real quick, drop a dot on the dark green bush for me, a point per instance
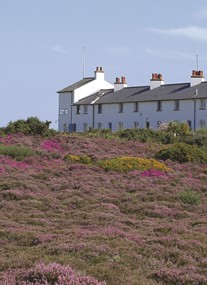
(182, 152)
(31, 126)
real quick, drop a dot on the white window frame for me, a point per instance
(99, 126)
(63, 111)
(202, 124)
(85, 109)
(121, 126)
(136, 124)
(85, 126)
(202, 104)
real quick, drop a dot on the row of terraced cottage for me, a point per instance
(95, 103)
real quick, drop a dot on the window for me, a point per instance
(78, 109)
(159, 106)
(202, 104)
(121, 125)
(136, 106)
(202, 123)
(99, 108)
(100, 126)
(63, 111)
(85, 127)
(176, 105)
(121, 108)
(110, 125)
(85, 109)
(136, 125)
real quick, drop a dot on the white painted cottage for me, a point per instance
(100, 105)
(75, 92)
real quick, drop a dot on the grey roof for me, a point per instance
(124, 95)
(179, 91)
(76, 85)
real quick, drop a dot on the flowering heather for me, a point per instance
(51, 145)
(153, 172)
(6, 163)
(144, 222)
(49, 274)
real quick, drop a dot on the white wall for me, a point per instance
(90, 88)
(81, 119)
(148, 113)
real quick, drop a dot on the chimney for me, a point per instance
(156, 80)
(196, 77)
(99, 73)
(120, 83)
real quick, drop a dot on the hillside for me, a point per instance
(62, 205)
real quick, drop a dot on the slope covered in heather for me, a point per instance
(59, 205)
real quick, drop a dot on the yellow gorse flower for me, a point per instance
(121, 164)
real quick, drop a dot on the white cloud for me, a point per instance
(58, 49)
(191, 32)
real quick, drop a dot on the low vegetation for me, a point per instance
(182, 152)
(98, 209)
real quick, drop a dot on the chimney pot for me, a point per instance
(117, 80)
(160, 76)
(201, 73)
(123, 79)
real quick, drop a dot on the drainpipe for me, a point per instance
(71, 107)
(93, 118)
(194, 110)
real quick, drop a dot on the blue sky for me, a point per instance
(42, 42)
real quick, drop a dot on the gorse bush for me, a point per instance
(17, 152)
(79, 158)
(120, 164)
(127, 163)
(182, 153)
(31, 126)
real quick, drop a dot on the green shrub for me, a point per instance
(146, 135)
(17, 152)
(31, 126)
(189, 197)
(181, 153)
